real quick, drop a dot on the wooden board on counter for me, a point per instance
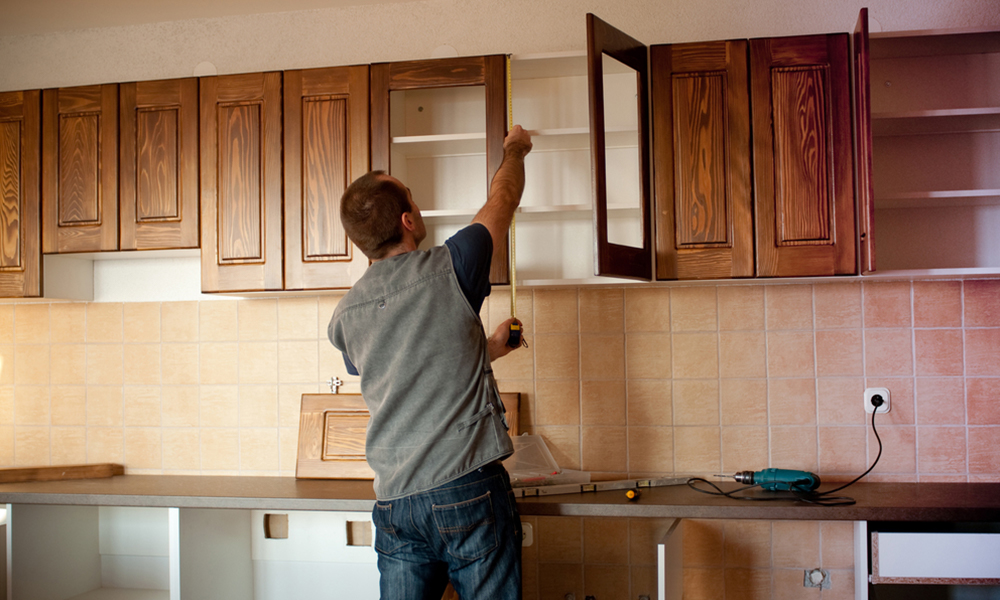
(57, 473)
(332, 430)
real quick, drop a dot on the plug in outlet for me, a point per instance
(871, 393)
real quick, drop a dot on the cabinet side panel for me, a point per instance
(214, 553)
(54, 551)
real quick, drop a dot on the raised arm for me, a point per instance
(506, 187)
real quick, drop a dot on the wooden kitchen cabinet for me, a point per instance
(20, 195)
(241, 182)
(158, 185)
(933, 201)
(792, 212)
(438, 126)
(326, 148)
(80, 169)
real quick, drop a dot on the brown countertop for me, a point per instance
(874, 501)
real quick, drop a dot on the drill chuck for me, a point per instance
(780, 480)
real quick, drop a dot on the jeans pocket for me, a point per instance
(386, 540)
(468, 527)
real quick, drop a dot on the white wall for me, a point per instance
(410, 30)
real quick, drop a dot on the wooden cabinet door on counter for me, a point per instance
(803, 156)
(158, 189)
(20, 200)
(701, 133)
(241, 137)
(326, 148)
(80, 169)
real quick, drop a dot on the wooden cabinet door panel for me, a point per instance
(617, 260)
(80, 169)
(800, 94)
(863, 143)
(241, 137)
(20, 195)
(326, 148)
(487, 71)
(701, 132)
(158, 189)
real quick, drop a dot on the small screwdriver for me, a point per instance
(778, 480)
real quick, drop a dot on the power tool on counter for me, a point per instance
(779, 480)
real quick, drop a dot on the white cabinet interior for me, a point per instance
(438, 149)
(935, 102)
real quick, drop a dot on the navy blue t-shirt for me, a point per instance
(471, 254)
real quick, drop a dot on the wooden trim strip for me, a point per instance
(57, 473)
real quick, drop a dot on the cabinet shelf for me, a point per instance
(978, 197)
(575, 211)
(123, 594)
(938, 121)
(543, 140)
(447, 144)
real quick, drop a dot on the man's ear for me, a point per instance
(408, 223)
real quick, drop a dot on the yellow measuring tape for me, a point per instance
(516, 334)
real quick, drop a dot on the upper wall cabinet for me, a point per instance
(158, 189)
(241, 170)
(20, 201)
(80, 169)
(934, 187)
(326, 148)
(120, 167)
(778, 202)
(438, 126)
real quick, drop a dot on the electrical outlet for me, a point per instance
(871, 393)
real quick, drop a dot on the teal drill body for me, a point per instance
(780, 480)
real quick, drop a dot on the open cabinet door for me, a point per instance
(863, 143)
(619, 146)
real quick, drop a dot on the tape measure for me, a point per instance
(514, 339)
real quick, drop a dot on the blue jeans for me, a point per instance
(467, 531)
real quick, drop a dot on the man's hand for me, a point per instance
(517, 141)
(497, 342)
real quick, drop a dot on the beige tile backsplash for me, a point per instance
(623, 382)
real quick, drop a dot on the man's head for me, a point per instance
(378, 214)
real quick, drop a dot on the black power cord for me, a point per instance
(802, 495)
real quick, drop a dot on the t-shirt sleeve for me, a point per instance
(471, 254)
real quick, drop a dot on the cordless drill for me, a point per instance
(779, 480)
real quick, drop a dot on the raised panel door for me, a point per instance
(326, 148)
(80, 169)
(241, 182)
(158, 189)
(802, 152)
(701, 132)
(20, 201)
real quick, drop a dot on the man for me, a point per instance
(410, 328)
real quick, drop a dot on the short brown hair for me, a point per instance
(370, 209)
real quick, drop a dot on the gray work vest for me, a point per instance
(420, 350)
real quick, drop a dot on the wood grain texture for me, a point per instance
(863, 170)
(241, 182)
(613, 259)
(158, 184)
(326, 148)
(487, 71)
(803, 156)
(701, 133)
(332, 430)
(20, 201)
(80, 169)
(59, 473)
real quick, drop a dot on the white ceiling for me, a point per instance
(28, 17)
